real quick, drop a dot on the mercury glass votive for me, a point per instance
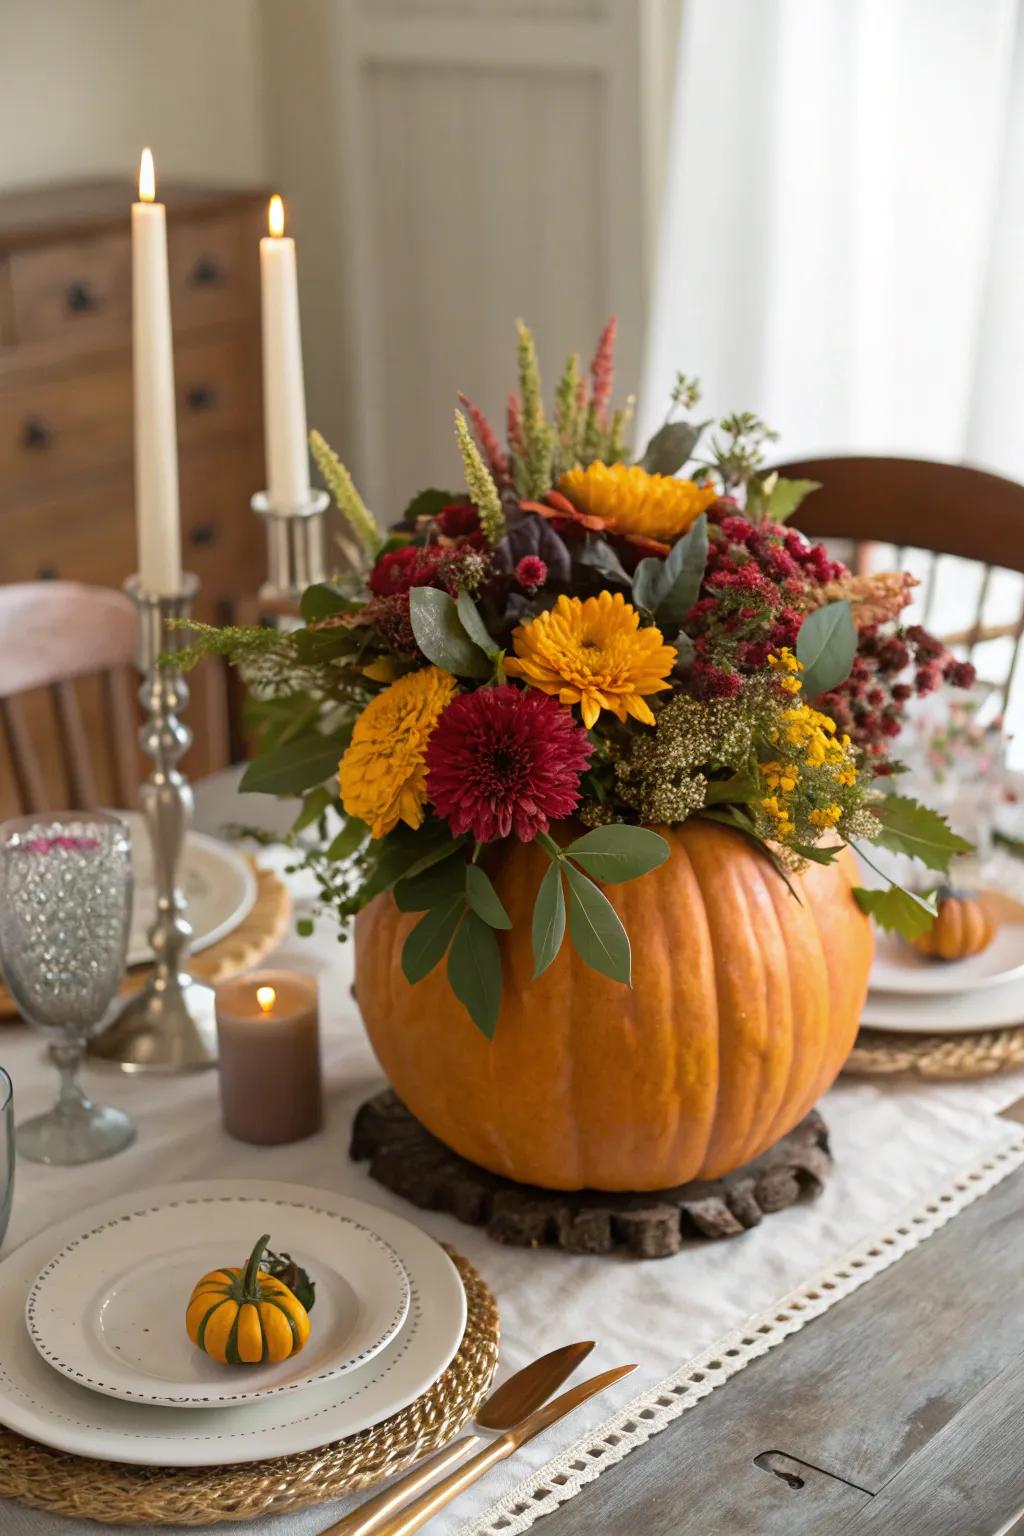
(65, 907)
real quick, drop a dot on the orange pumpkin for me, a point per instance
(963, 927)
(744, 1006)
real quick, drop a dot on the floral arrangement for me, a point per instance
(574, 650)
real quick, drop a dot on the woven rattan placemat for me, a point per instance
(245, 946)
(115, 1494)
(878, 1053)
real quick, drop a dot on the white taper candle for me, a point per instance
(156, 447)
(284, 395)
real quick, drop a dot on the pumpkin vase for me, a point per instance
(744, 1005)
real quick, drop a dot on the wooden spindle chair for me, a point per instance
(937, 509)
(68, 714)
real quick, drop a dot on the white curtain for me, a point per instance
(843, 238)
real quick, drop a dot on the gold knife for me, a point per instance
(434, 1500)
(502, 1409)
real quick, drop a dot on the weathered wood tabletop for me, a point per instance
(900, 1412)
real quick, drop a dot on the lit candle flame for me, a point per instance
(266, 997)
(147, 177)
(275, 217)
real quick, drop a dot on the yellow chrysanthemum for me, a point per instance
(633, 502)
(383, 775)
(594, 654)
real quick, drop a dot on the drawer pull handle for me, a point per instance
(200, 397)
(36, 434)
(47, 573)
(206, 273)
(202, 535)
(81, 299)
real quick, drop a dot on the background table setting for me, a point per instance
(241, 1281)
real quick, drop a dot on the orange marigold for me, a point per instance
(383, 774)
(630, 501)
(593, 654)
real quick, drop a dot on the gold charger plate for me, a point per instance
(112, 1493)
(245, 946)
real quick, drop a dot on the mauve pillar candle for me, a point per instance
(268, 1026)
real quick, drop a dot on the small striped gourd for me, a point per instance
(246, 1317)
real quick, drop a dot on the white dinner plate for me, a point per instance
(898, 967)
(108, 1309)
(960, 1013)
(48, 1407)
(218, 882)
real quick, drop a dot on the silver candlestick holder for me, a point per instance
(169, 1026)
(295, 547)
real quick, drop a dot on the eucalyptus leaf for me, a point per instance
(548, 919)
(599, 555)
(440, 634)
(684, 571)
(474, 972)
(484, 899)
(301, 764)
(826, 645)
(616, 852)
(914, 829)
(897, 910)
(473, 624)
(596, 931)
(428, 941)
(671, 447)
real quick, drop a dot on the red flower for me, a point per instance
(457, 518)
(504, 760)
(531, 572)
(400, 569)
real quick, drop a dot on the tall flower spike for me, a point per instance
(482, 489)
(617, 452)
(516, 440)
(347, 499)
(566, 412)
(540, 437)
(602, 371)
(497, 458)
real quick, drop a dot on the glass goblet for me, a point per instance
(65, 906)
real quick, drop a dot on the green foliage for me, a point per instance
(480, 483)
(548, 918)
(910, 828)
(671, 447)
(473, 624)
(346, 498)
(297, 766)
(897, 910)
(314, 805)
(534, 476)
(484, 899)
(474, 971)
(323, 601)
(428, 942)
(429, 504)
(668, 588)
(771, 497)
(617, 852)
(741, 454)
(826, 646)
(441, 636)
(430, 886)
(595, 928)
(349, 840)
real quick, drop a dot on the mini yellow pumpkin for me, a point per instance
(963, 927)
(246, 1317)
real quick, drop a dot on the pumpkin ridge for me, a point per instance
(779, 1120)
(773, 983)
(201, 1330)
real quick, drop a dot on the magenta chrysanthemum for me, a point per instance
(504, 760)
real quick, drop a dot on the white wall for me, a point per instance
(85, 83)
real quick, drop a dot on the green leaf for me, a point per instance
(430, 503)
(685, 651)
(667, 588)
(322, 601)
(914, 829)
(816, 854)
(671, 446)
(599, 555)
(826, 644)
(432, 887)
(739, 789)
(897, 910)
(616, 853)
(649, 586)
(548, 919)
(440, 635)
(484, 899)
(351, 837)
(404, 852)
(770, 496)
(428, 941)
(305, 927)
(474, 972)
(299, 765)
(434, 851)
(597, 934)
(473, 624)
(314, 804)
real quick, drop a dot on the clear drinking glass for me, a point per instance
(6, 1151)
(65, 905)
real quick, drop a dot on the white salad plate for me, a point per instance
(958, 1014)
(899, 968)
(40, 1402)
(107, 1310)
(218, 882)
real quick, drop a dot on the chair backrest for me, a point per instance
(923, 511)
(68, 718)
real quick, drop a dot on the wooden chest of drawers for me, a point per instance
(66, 474)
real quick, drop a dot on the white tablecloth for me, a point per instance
(896, 1147)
